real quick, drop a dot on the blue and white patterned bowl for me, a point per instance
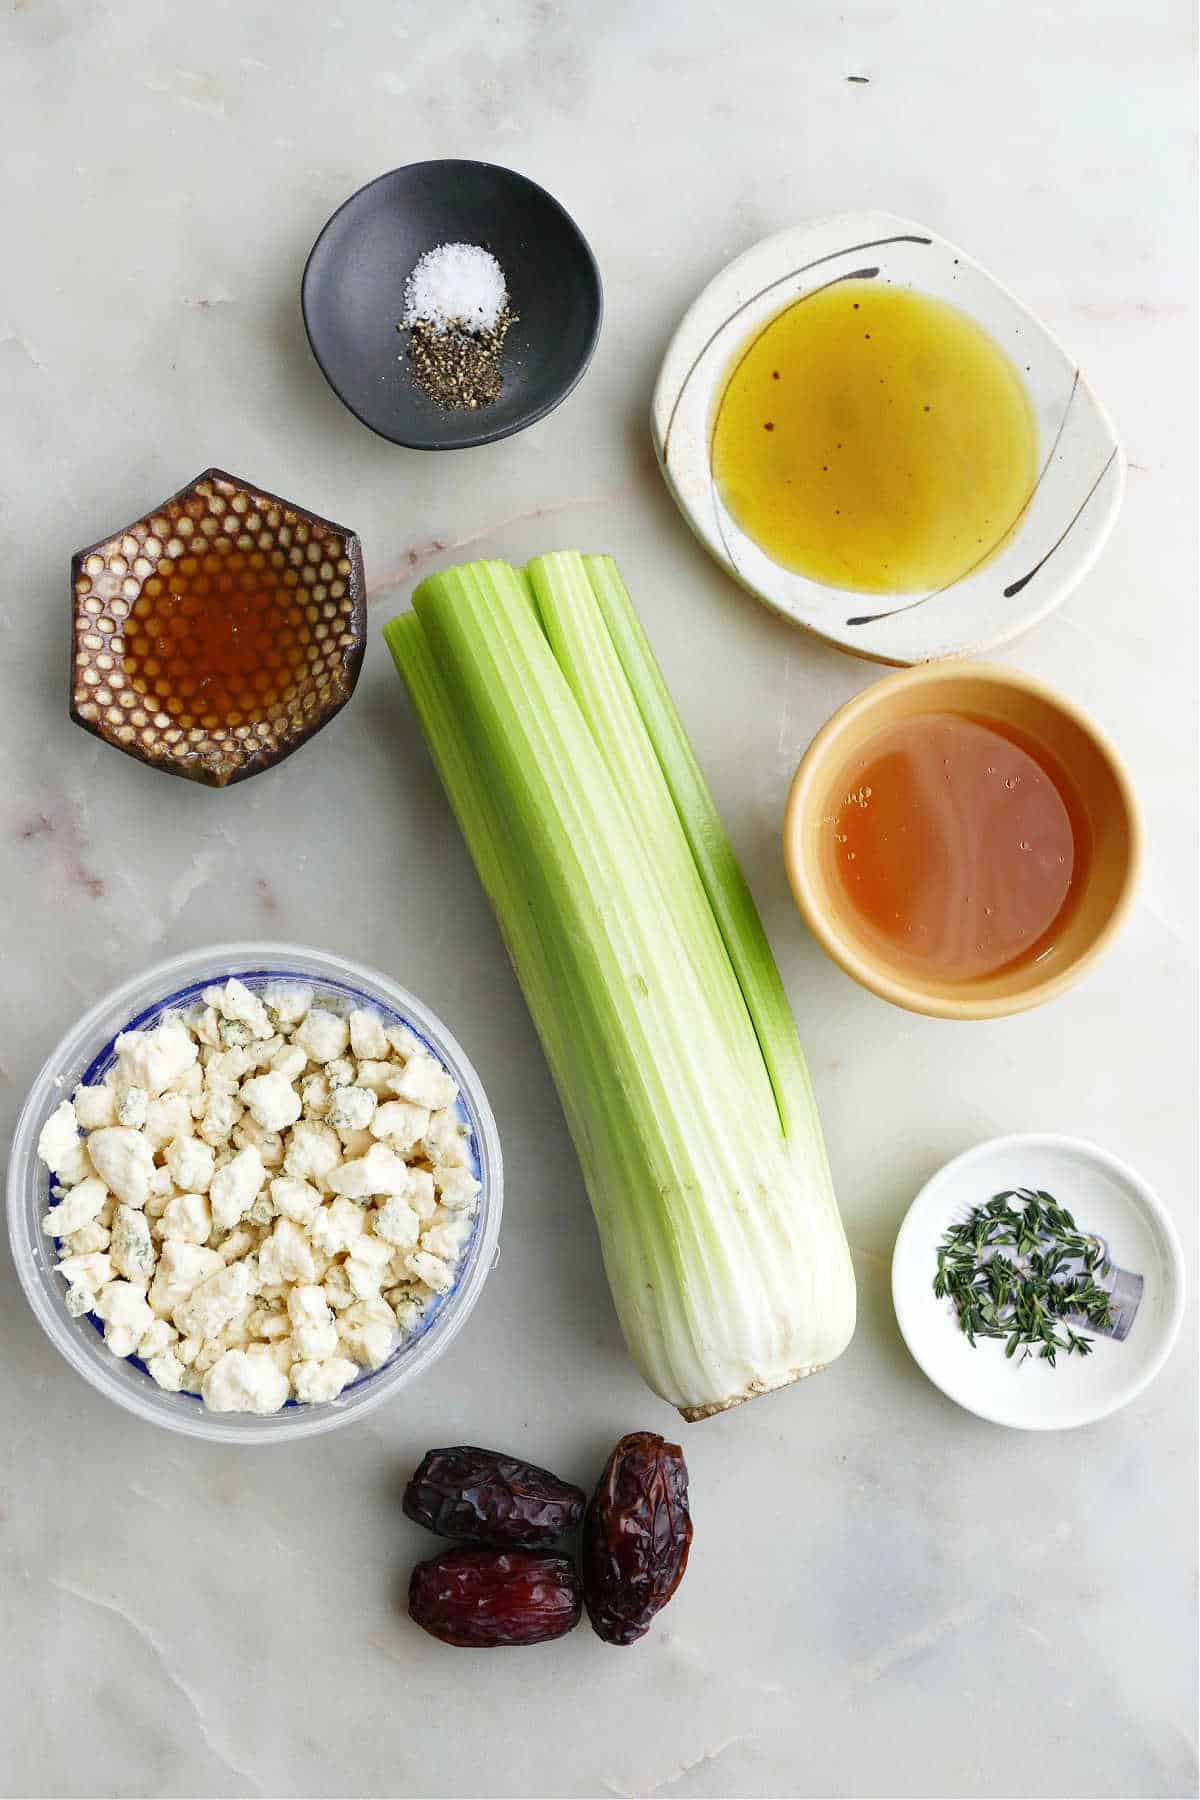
(87, 1052)
(1066, 517)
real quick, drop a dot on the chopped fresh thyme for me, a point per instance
(1019, 1269)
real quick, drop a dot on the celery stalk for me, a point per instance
(584, 650)
(645, 969)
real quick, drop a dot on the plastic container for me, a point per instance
(86, 1052)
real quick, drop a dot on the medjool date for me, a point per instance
(485, 1497)
(487, 1599)
(636, 1537)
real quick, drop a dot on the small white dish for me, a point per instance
(1106, 1199)
(1066, 519)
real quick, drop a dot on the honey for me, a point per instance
(873, 438)
(220, 637)
(956, 848)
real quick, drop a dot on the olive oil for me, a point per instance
(873, 438)
(956, 847)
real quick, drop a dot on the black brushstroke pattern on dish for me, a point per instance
(909, 605)
(903, 237)
(834, 281)
(1016, 586)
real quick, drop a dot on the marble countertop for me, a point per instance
(887, 1596)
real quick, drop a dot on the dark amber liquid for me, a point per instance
(218, 638)
(956, 846)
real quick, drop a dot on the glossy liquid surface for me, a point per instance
(218, 638)
(954, 848)
(873, 438)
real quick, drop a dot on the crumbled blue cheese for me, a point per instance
(400, 1124)
(380, 1171)
(322, 1035)
(396, 1223)
(190, 1163)
(288, 1001)
(187, 1216)
(239, 1382)
(239, 1201)
(294, 1199)
(90, 1270)
(290, 1062)
(285, 1256)
(92, 1236)
(132, 1252)
(234, 1187)
(131, 1108)
(425, 1083)
(58, 1144)
(430, 1269)
(236, 1002)
(335, 1227)
(124, 1162)
(154, 1059)
(94, 1106)
(167, 1370)
(369, 1259)
(314, 1381)
(81, 1205)
(351, 1108)
(167, 1118)
(125, 1307)
(368, 1039)
(272, 1100)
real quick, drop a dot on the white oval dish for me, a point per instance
(1066, 519)
(1107, 1198)
(86, 1052)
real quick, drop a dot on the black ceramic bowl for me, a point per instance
(353, 297)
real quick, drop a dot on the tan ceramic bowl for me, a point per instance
(1039, 714)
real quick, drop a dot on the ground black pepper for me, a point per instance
(459, 369)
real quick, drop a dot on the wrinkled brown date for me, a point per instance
(636, 1537)
(488, 1498)
(486, 1599)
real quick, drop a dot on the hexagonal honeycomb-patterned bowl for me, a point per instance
(219, 633)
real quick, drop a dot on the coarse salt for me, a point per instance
(456, 285)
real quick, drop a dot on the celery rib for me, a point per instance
(727, 889)
(584, 650)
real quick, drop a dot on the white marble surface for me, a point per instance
(887, 1597)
